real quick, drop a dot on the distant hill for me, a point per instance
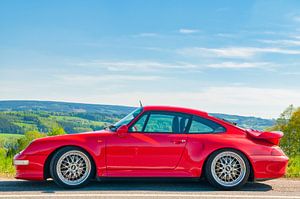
(18, 116)
(51, 106)
(247, 121)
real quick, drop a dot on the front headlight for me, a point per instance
(21, 162)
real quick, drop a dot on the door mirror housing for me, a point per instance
(122, 130)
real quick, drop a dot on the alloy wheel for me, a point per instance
(73, 167)
(228, 169)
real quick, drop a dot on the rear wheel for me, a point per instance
(227, 169)
(71, 167)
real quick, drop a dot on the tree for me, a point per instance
(289, 124)
(286, 115)
(56, 131)
(291, 140)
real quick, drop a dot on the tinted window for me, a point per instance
(138, 126)
(161, 122)
(202, 125)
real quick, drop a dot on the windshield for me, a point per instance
(127, 119)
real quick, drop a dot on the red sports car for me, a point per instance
(157, 141)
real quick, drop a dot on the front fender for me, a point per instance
(92, 143)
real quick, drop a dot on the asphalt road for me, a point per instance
(163, 188)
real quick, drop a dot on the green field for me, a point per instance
(9, 135)
(7, 139)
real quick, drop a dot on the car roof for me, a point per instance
(175, 109)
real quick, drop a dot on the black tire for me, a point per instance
(216, 181)
(58, 178)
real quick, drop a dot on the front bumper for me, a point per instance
(29, 167)
(268, 167)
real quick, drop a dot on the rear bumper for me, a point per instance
(29, 167)
(269, 167)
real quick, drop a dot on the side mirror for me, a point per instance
(122, 130)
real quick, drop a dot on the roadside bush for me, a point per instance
(29, 136)
(294, 167)
(6, 167)
(56, 131)
(289, 124)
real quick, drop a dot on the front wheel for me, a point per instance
(71, 167)
(227, 169)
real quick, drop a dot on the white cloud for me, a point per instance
(225, 35)
(296, 18)
(296, 36)
(292, 73)
(242, 65)
(146, 34)
(282, 42)
(92, 79)
(188, 31)
(147, 66)
(234, 52)
(137, 65)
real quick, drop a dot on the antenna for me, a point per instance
(141, 105)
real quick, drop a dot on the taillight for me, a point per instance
(277, 151)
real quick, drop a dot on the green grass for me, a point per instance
(6, 167)
(293, 170)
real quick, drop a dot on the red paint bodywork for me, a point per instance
(156, 155)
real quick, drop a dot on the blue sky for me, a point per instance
(237, 57)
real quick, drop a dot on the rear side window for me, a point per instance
(202, 125)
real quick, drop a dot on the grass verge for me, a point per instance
(293, 170)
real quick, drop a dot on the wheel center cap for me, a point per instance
(73, 167)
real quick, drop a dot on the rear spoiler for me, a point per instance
(269, 136)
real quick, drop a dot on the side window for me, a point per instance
(138, 126)
(161, 122)
(202, 125)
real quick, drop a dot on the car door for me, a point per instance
(155, 141)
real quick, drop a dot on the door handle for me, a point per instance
(179, 141)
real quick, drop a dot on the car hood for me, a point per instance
(70, 136)
(42, 145)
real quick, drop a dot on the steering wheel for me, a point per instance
(135, 129)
